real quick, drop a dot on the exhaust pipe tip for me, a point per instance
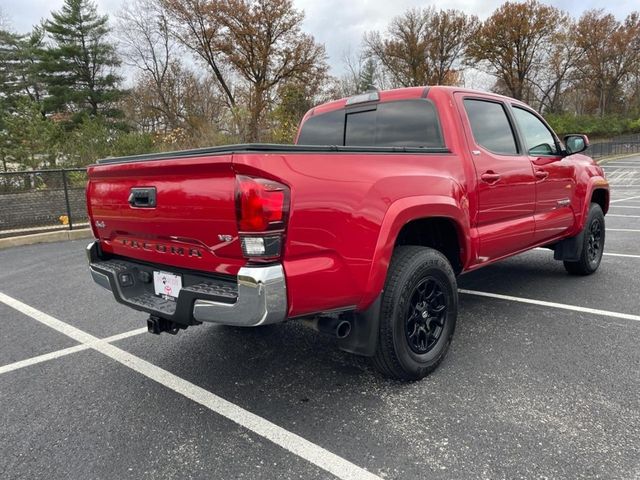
(329, 325)
(343, 329)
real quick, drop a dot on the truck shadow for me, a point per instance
(285, 358)
(528, 274)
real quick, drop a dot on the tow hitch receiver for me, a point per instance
(157, 325)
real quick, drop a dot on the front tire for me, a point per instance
(592, 244)
(418, 314)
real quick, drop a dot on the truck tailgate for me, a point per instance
(191, 223)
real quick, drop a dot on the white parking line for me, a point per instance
(628, 255)
(622, 230)
(43, 358)
(67, 351)
(542, 249)
(295, 444)
(624, 199)
(626, 206)
(620, 215)
(561, 306)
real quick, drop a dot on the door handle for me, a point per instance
(541, 174)
(490, 177)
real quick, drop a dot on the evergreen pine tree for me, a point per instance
(81, 62)
(367, 76)
(9, 67)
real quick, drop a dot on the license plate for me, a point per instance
(167, 285)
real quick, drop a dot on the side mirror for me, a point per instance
(576, 143)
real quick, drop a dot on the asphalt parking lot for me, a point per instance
(542, 380)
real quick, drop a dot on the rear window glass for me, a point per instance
(361, 128)
(412, 123)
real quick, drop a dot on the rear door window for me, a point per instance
(491, 127)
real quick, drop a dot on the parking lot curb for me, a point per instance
(46, 237)
(604, 160)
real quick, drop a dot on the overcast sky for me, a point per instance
(339, 24)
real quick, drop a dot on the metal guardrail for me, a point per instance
(606, 149)
(42, 200)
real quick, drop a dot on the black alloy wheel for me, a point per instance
(417, 313)
(426, 315)
(595, 240)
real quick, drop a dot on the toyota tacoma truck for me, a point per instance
(359, 229)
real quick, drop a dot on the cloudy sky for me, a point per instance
(339, 24)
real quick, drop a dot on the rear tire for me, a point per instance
(418, 314)
(592, 244)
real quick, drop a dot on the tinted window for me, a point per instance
(395, 124)
(361, 128)
(491, 127)
(412, 123)
(536, 135)
(325, 129)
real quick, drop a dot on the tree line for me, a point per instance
(170, 74)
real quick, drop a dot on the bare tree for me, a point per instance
(143, 29)
(612, 55)
(265, 44)
(453, 30)
(201, 112)
(560, 70)
(513, 44)
(422, 46)
(196, 24)
(362, 71)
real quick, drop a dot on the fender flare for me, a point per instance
(594, 183)
(397, 216)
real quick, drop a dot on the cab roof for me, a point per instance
(406, 93)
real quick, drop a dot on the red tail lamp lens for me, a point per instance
(262, 204)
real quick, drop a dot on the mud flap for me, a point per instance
(569, 249)
(365, 325)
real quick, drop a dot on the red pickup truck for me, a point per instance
(359, 229)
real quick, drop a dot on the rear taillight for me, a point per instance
(262, 207)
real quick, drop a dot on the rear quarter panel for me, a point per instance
(346, 211)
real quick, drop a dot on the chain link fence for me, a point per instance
(42, 200)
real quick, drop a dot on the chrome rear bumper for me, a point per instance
(257, 297)
(262, 299)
